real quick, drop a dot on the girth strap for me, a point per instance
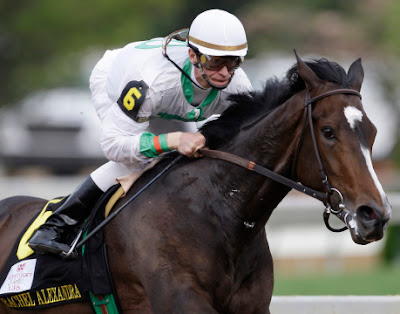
(250, 165)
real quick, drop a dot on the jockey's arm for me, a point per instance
(127, 141)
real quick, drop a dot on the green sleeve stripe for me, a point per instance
(147, 145)
(163, 142)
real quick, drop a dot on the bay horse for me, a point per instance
(195, 240)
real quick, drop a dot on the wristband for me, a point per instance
(160, 143)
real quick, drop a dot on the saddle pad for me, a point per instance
(33, 281)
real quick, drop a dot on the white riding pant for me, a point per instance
(105, 176)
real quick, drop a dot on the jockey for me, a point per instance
(160, 78)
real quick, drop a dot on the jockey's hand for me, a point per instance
(187, 143)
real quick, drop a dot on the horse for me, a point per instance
(194, 241)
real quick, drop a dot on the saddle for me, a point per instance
(35, 281)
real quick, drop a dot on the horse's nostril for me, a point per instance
(366, 213)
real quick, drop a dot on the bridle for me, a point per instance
(341, 211)
(325, 197)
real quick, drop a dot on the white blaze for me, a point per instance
(367, 156)
(352, 115)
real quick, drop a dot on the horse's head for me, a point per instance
(344, 137)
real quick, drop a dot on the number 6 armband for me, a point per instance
(132, 97)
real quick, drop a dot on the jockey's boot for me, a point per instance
(51, 236)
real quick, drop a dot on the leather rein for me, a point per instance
(324, 197)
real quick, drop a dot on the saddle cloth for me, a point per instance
(33, 281)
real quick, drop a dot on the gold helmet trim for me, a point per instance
(217, 47)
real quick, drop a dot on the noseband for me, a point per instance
(341, 211)
(324, 197)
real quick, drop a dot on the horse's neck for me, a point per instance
(271, 143)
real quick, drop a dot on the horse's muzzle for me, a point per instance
(368, 224)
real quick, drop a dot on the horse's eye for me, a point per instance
(328, 132)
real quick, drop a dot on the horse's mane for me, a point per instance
(247, 107)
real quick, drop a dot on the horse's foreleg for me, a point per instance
(255, 293)
(255, 280)
(181, 300)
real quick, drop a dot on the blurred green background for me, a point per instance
(46, 44)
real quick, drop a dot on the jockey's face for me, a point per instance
(220, 76)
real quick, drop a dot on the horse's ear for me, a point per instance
(356, 75)
(309, 77)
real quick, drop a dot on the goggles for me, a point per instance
(216, 63)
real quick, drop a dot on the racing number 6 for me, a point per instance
(129, 99)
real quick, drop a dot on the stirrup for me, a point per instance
(72, 253)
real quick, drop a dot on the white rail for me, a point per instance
(335, 305)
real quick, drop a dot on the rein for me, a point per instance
(252, 166)
(341, 212)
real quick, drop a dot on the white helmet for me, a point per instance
(218, 33)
